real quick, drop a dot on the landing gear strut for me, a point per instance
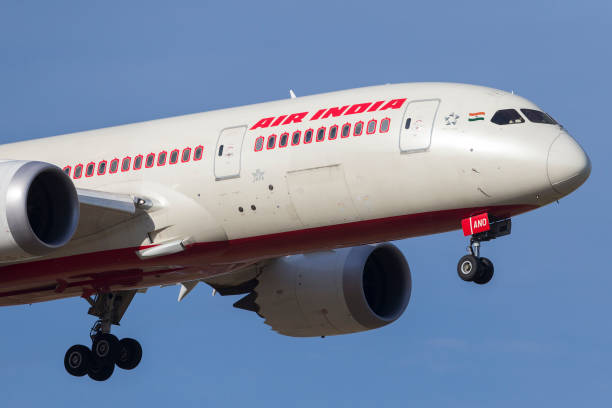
(106, 350)
(473, 267)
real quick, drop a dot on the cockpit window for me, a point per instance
(507, 117)
(536, 116)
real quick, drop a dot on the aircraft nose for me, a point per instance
(568, 165)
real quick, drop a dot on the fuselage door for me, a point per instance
(227, 155)
(417, 126)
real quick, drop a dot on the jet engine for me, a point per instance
(336, 292)
(39, 209)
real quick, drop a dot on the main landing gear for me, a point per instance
(106, 350)
(473, 267)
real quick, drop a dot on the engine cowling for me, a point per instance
(39, 209)
(335, 292)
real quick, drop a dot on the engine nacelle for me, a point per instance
(336, 292)
(39, 209)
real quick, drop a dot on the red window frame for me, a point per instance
(272, 136)
(165, 153)
(280, 138)
(105, 167)
(316, 136)
(147, 161)
(187, 149)
(195, 158)
(312, 135)
(74, 176)
(355, 128)
(329, 132)
(110, 166)
(368, 127)
(93, 170)
(135, 160)
(381, 123)
(178, 157)
(299, 133)
(129, 159)
(348, 133)
(263, 143)
(69, 172)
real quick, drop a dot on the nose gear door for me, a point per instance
(227, 155)
(417, 126)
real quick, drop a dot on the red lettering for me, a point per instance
(263, 123)
(394, 104)
(375, 106)
(335, 112)
(358, 108)
(279, 120)
(318, 114)
(295, 118)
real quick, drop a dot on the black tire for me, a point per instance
(100, 371)
(467, 267)
(77, 360)
(105, 348)
(130, 353)
(486, 271)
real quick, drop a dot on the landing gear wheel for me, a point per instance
(485, 273)
(100, 371)
(105, 349)
(468, 268)
(130, 353)
(77, 360)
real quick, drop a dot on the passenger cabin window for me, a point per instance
(507, 117)
(114, 165)
(259, 143)
(150, 160)
(346, 130)
(371, 127)
(67, 170)
(125, 164)
(384, 125)
(89, 171)
(284, 140)
(333, 132)
(101, 167)
(308, 136)
(537, 116)
(295, 139)
(161, 158)
(138, 162)
(78, 171)
(174, 156)
(271, 141)
(186, 155)
(321, 134)
(198, 153)
(358, 129)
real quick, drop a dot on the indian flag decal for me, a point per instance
(476, 116)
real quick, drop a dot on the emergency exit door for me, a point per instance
(227, 155)
(417, 126)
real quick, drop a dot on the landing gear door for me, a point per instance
(227, 155)
(417, 126)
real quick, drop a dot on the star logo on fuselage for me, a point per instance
(258, 175)
(451, 119)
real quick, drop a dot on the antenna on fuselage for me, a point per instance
(292, 94)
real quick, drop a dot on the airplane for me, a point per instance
(290, 204)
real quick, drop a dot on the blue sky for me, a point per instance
(538, 334)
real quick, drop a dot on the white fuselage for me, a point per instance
(242, 200)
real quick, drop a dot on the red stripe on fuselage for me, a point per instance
(121, 269)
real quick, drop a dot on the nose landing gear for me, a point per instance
(106, 350)
(473, 267)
